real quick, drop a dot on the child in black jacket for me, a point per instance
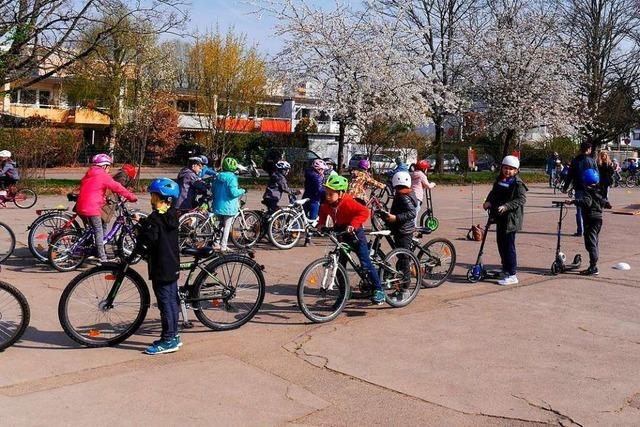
(158, 239)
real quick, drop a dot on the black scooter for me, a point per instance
(478, 272)
(560, 264)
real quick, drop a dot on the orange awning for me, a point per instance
(276, 126)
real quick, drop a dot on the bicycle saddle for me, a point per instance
(203, 252)
(380, 233)
(300, 202)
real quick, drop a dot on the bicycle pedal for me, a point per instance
(187, 325)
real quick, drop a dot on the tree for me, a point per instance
(229, 78)
(44, 35)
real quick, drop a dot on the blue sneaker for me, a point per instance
(378, 297)
(163, 347)
(177, 340)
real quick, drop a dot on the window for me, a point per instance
(44, 97)
(185, 106)
(27, 96)
(636, 136)
(14, 97)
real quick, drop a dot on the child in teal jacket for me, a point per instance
(225, 197)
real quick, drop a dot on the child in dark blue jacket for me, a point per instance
(314, 187)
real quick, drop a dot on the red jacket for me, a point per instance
(348, 212)
(92, 188)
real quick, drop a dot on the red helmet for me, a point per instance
(130, 170)
(423, 165)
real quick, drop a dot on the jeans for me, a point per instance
(226, 221)
(552, 178)
(98, 235)
(361, 248)
(507, 250)
(404, 241)
(592, 229)
(579, 222)
(312, 209)
(167, 296)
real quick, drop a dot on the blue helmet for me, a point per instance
(165, 187)
(590, 177)
(204, 159)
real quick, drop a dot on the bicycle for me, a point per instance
(288, 224)
(324, 289)
(7, 242)
(14, 315)
(23, 198)
(198, 227)
(69, 248)
(107, 304)
(249, 226)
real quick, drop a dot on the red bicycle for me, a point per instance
(24, 198)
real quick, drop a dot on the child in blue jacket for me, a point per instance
(225, 199)
(314, 187)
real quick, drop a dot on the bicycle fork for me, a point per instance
(332, 279)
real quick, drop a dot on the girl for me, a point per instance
(314, 187)
(606, 171)
(225, 197)
(506, 205)
(419, 183)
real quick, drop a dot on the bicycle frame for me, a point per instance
(300, 214)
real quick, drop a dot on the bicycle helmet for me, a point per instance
(102, 160)
(283, 165)
(512, 161)
(5, 153)
(319, 165)
(130, 170)
(423, 165)
(590, 177)
(337, 183)
(364, 164)
(229, 164)
(195, 159)
(165, 188)
(204, 160)
(401, 179)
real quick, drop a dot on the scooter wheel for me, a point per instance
(471, 277)
(577, 260)
(433, 223)
(555, 269)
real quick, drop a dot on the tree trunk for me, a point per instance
(341, 135)
(507, 137)
(437, 144)
(113, 134)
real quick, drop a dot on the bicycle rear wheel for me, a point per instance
(437, 259)
(14, 315)
(66, 252)
(400, 277)
(323, 290)
(7, 241)
(195, 230)
(280, 229)
(25, 198)
(83, 313)
(44, 228)
(246, 229)
(229, 292)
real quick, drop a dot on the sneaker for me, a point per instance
(400, 296)
(163, 347)
(378, 297)
(176, 339)
(591, 271)
(509, 280)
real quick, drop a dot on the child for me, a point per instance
(277, 186)
(8, 173)
(206, 171)
(401, 219)
(591, 202)
(190, 184)
(91, 198)
(349, 215)
(124, 176)
(314, 187)
(361, 181)
(506, 201)
(158, 239)
(419, 183)
(225, 201)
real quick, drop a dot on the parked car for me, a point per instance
(486, 162)
(450, 162)
(380, 163)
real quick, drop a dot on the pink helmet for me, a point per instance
(319, 165)
(364, 164)
(101, 160)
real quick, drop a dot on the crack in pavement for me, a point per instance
(607, 336)
(549, 408)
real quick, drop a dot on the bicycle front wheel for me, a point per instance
(285, 229)
(25, 198)
(400, 277)
(7, 242)
(631, 181)
(86, 317)
(246, 229)
(437, 259)
(194, 231)
(66, 252)
(229, 292)
(14, 315)
(42, 230)
(323, 290)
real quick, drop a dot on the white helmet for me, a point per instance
(512, 161)
(5, 153)
(401, 178)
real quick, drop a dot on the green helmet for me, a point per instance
(230, 164)
(337, 183)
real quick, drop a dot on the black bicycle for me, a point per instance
(7, 241)
(107, 304)
(14, 315)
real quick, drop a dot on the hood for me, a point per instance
(94, 171)
(184, 172)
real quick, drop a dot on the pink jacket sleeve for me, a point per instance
(119, 189)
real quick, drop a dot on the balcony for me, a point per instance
(200, 123)
(60, 115)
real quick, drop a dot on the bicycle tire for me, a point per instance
(221, 266)
(6, 235)
(66, 240)
(427, 265)
(393, 286)
(631, 181)
(331, 307)
(93, 332)
(281, 220)
(125, 245)
(246, 233)
(23, 195)
(37, 238)
(376, 221)
(7, 337)
(194, 230)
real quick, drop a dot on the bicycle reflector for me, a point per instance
(93, 333)
(109, 277)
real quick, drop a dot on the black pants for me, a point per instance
(592, 229)
(404, 241)
(507, 250)
(167, 296)
(271, 204)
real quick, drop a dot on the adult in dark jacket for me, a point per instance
(190, 184)
(579, 164)
(606, 171)
(551, 167)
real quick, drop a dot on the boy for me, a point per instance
(225, 200)
(349, 215)
(190, 184)
(277, 186)
(590, 202)
(158, 239)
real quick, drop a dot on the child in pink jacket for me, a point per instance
(91, 199)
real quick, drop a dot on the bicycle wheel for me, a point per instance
(427, 220)
(66, 252)
(195, 230)
(14, 315)
(25, 198)
(125, 246)
(84, 316)
(376, 221)
(631, 181)
(246, 229)
(400, 277)
(280, 229)
(437, 259)
(43, 229)
(323, 290)
(7, 241)
(229, 292)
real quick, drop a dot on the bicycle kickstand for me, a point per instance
(186, 323)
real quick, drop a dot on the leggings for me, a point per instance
(226, 222)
